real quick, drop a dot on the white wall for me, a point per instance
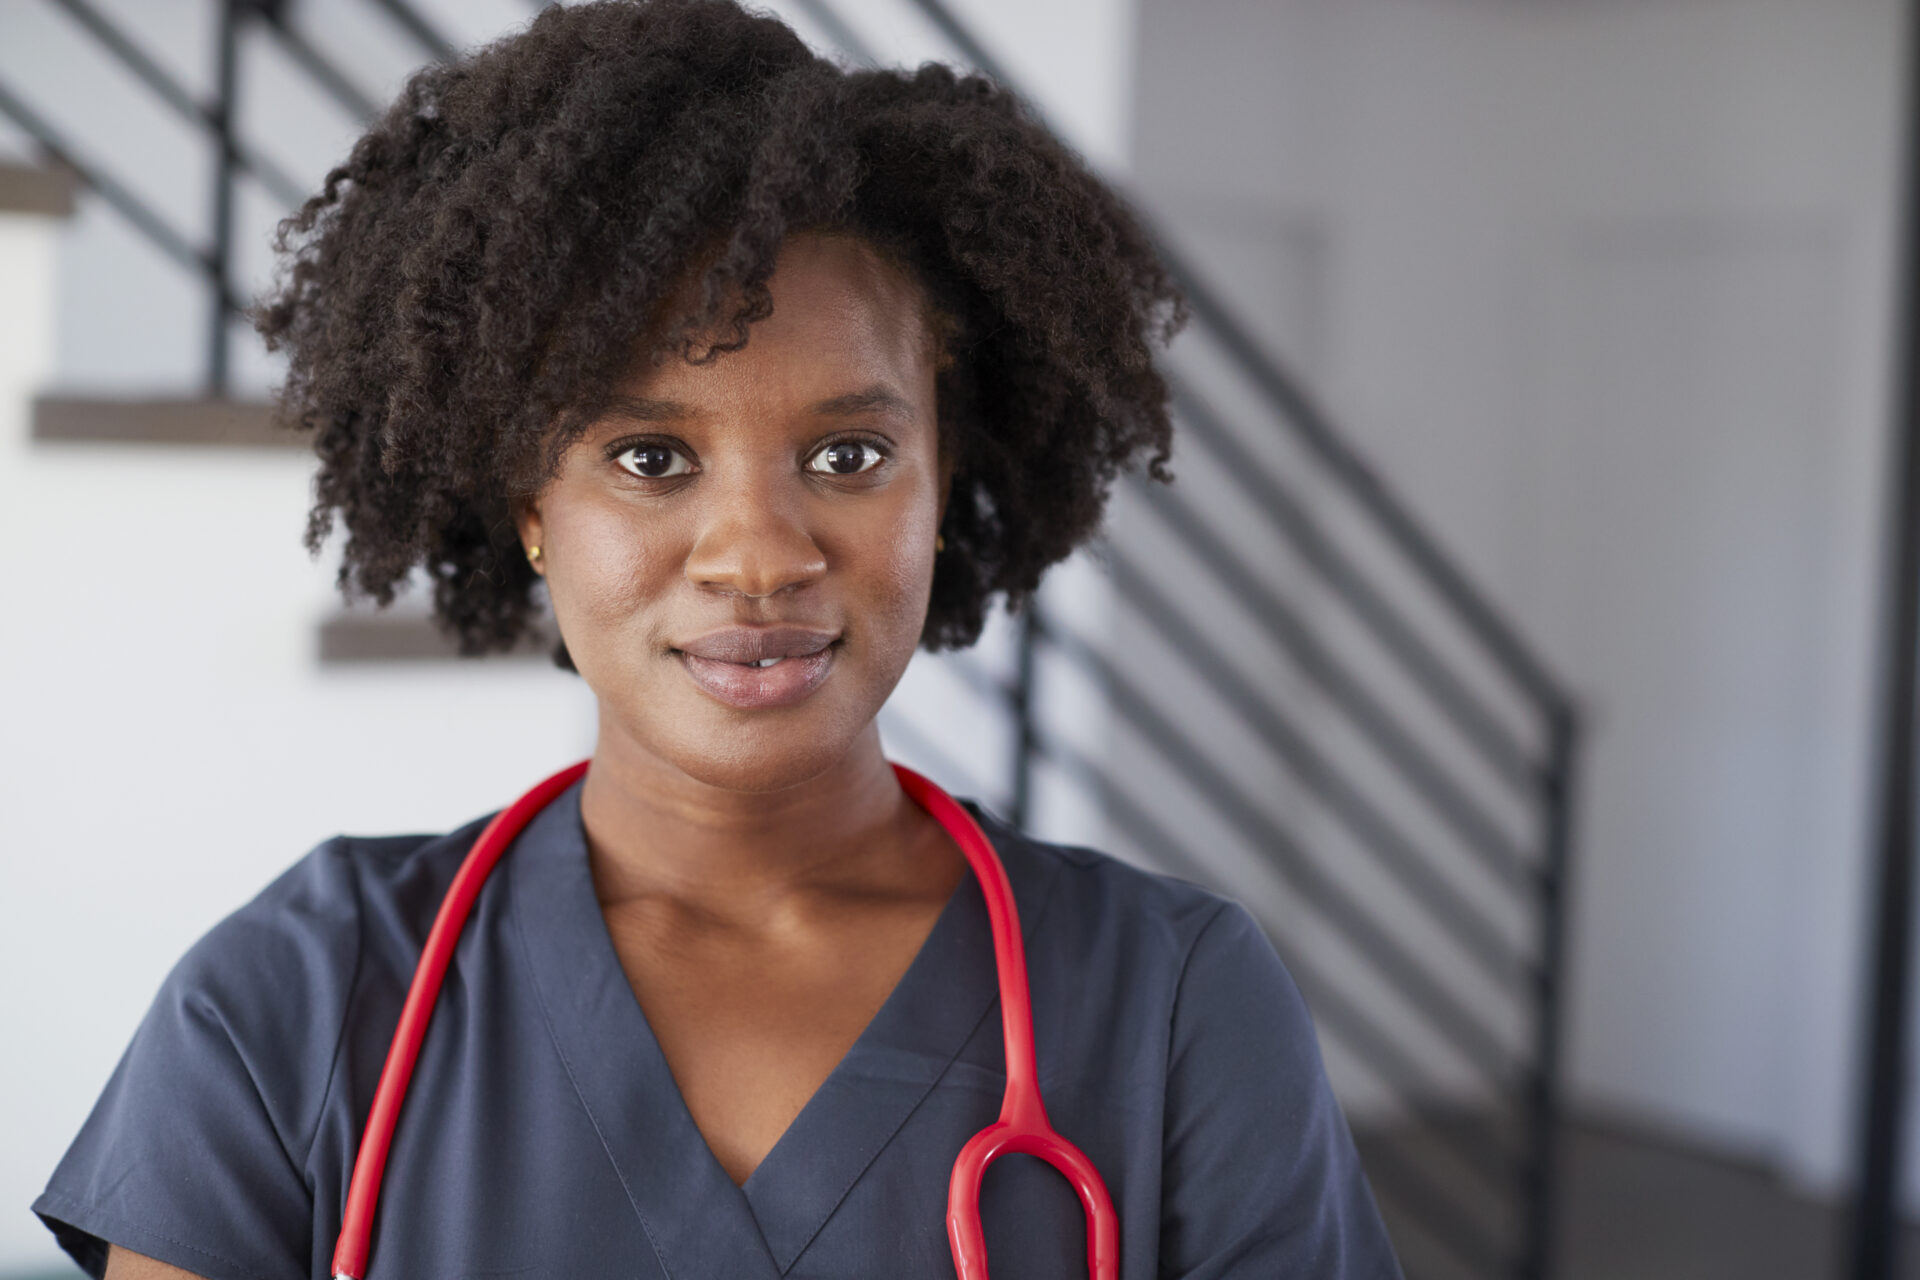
(157, 664)
(1604, 289)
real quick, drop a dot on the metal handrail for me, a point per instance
(1436, 1006)
(1467, 923)
(1480, 834)
(1290, 516)
(1421, 549)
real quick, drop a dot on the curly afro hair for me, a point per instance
(462, 293)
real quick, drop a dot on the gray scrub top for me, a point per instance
(543, 1136)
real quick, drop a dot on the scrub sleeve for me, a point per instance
(1260, 1180)
(194, 1153)
(1175, 1049)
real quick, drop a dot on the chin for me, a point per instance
(761, 758)
(760, 772)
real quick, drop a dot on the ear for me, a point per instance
(526, 519)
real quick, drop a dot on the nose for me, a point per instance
(753, 543)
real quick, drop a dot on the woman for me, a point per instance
(765, 374)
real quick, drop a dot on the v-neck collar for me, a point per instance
(702, 1224)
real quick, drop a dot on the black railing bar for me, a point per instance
(410, 20)
(226, 170)
(169, 241)
(1441, 1010)
(1462, 813)
(1494, 1162)
(829, 20)
(1391, 848)
(1368, 488)
(315, 64)
(157, 78)
(1023, 727)
(1543, 1095)
(1302, 413)
(1272, 496)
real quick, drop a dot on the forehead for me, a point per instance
(842, 314)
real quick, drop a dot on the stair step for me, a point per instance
(367, 636)
(191, 420)
(47, 190)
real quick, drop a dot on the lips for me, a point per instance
(727, 663)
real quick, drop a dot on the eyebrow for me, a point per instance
(877, 397)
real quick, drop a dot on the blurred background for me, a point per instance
(1513, 642)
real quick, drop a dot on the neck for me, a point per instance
(655, 833)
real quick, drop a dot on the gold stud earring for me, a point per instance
(939, 542)
(533, 555)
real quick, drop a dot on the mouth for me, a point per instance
(757, 667)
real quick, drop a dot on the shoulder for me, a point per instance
(1180, 965)
(195, 1152)
(1183, 986)
(326, 898)
(261, 999)
(1141, 929)
(271, 984)
(304, 931)
(1080, 883)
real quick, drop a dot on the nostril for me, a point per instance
(755, 563)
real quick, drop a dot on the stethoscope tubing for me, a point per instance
(1021, 1129)
(350, 1250)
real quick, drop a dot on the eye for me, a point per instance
(655, 461)
(845, 458)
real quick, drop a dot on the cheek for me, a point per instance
(608, 569)
(902, 574)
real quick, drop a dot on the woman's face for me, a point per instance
(779, 502)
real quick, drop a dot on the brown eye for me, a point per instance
(845, 458)
(656, 461)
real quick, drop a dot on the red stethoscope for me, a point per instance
(1021, 1129)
